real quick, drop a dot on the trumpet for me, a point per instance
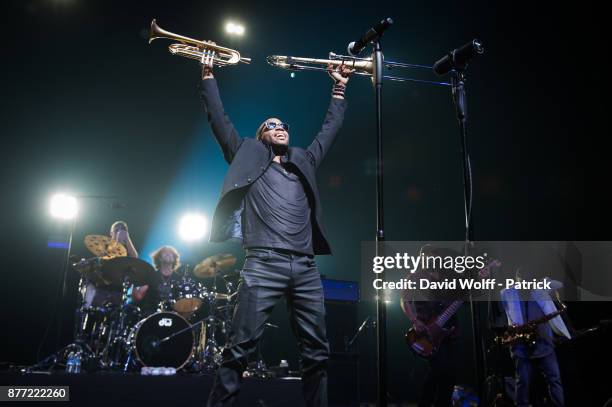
(196, 49)
(362, 66)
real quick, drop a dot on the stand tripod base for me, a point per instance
(89, 361)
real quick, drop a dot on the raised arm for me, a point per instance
(222, 127)
(122, 236)
(334, 117)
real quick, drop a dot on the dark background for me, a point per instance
(90, 108)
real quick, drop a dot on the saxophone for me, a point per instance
(526, 333)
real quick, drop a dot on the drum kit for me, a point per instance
(187, 331)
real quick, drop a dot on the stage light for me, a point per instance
(235, 29)
(63, 206)
(386, 298)
(193, 226)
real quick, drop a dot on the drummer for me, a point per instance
(97, 296)
(166, 260)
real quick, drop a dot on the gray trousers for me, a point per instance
(267, 276)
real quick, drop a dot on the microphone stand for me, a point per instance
(457, 75)
(381, 310)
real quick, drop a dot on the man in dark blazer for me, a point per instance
(270, 202)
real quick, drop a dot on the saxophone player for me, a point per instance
(538, 354)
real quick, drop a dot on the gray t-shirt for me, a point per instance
(277, 212)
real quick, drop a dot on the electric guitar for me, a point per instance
(426, 344)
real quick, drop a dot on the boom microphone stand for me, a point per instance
(372, 36)
(455, 64)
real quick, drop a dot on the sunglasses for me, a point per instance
(272, 126)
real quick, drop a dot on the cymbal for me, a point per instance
(114, 270)
(104, 247)
(211, 266)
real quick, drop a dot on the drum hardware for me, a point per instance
(223, 297)
(89, 269)
(118, 344)
(129, 272)
(116, 337)
(80, 346)
(210, 356)
(94, 327)
(259, 368)
(218, 321)
(105, 329)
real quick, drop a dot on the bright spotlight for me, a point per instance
(63, 206)
(193, 226)
(233, 28)
(386, 299)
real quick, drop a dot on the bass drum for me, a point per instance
(175, 352)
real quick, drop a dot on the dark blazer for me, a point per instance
(249, 158)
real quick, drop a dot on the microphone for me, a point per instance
(458, 58)
(355, 47)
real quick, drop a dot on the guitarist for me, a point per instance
(437, 389)
(438, 386)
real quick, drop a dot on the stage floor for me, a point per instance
(113, 389)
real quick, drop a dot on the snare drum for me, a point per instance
(150, 348)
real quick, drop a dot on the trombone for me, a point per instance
(362, 66)
(196, 49)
